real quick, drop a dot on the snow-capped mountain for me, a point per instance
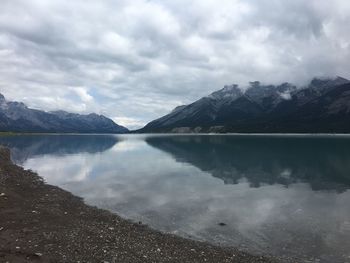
(268, 96)
(17, 117)
(321, 106)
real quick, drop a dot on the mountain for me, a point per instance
(17, 117)
(320, 107)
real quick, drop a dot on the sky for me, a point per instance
(134, 61)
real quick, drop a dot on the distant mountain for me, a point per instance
(17, 117)
(322, 106)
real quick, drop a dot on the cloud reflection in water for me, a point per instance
(285, 196)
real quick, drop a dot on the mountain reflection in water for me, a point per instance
(24, 147)
(322, 162)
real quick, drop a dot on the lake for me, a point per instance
(270, 194)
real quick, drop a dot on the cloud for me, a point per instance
(136, 60)
(128, 122)
(83, 94)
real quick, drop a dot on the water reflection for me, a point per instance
(27, 146)
(323, 162)
(285, 196)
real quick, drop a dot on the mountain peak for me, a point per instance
(254, 84)
(338, 78)
(228, 88)
(229, 91)
(327, 81)
(2, 97)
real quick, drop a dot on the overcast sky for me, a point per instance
(136, 60)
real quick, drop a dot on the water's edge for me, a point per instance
(196, 250)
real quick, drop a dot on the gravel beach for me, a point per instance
(43, 223)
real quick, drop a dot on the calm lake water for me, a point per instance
(282, 195)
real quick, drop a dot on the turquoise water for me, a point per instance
(280, 195)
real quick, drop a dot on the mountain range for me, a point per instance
(322, 106)
(17, 117)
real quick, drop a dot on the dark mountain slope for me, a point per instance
(322, 106)
(329, 112)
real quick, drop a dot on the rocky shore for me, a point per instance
(43, 223)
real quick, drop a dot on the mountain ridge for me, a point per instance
(17, 117)
(264, 108)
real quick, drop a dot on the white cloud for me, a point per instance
(83, 94)
(128, 122)
(139, 59)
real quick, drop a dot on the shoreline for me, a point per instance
(179, 134)
(43, 223)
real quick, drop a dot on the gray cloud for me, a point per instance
(136, 60)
